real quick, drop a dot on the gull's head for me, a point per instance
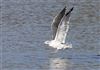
(47, 42)
(51, 43)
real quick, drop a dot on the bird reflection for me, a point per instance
(59, 64)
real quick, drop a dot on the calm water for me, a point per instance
(26, 25)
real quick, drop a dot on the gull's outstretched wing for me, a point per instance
(56, 21)
(63, 27)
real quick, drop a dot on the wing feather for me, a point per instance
(56, 21)
(63, 27)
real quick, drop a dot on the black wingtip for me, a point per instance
(63, 10)
(72, 8)
(70, 11)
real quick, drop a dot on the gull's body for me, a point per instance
(60, 28)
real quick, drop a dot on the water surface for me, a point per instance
(26, 25)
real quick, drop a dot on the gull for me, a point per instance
(60, 28)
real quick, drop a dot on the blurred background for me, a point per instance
(26, 25)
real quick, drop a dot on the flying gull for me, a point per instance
(60, 28)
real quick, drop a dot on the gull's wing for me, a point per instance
(56, 21)
(63, 27)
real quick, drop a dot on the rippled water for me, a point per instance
(26, 25)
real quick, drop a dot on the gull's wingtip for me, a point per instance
(63, 10)
(70, 11)
(72, 8)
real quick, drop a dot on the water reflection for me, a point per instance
(59, 64)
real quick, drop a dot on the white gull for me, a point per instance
(60, 28)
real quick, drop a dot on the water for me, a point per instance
(26, 25)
